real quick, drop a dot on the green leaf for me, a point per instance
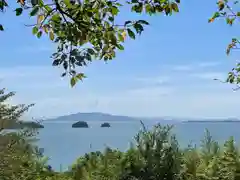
(118, 4)
(127, 22)
(18, 11)
(221, 5)
(34, 2)
(73, 81)
(3, 4)
(111, 19)
(1, 28)
(131, 33)
(230, 21)
(91, 51)
(148, 8)
(45, 28)
(40, 18)
(51, 35)
(56, 17)
(113, 38)
(56, 62)
(48, 8)
(63, 74)
(34, 30)
(120, 37)
(138, 27)
(143, 22)
(175, 7)
(67, 2)
(109, 3)
(168, 10)
(34, 11)
(80, 76)
(138, 8)
(120, 47)
(88, 57)
(216, 15)
(40, 3)
(39, 34)
(114, 10)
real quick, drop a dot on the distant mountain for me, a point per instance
(93, 116)
(98, 116)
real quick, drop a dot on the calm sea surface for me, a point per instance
(63, 144)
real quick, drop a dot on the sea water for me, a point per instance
(63, 144)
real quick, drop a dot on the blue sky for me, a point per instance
(167, 71)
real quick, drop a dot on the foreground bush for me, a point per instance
(19, 158)
(156, 155)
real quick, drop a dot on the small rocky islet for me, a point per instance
(106, 124)
(84, 124)
(80, 124)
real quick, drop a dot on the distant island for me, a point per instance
(93, 116)
(105, 124)
(80, 124)
(10, 124)
(105, 117)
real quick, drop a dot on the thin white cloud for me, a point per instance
(195, 66)
(209, 64)
(182, 68)
(150, 91)
(154, 80)
(209, 75)
(32, 77)
(54, 96)
(28, 71)
(35, 49)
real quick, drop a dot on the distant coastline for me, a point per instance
(10, 124)
(94, 116)
(104, 117)
(213, 121)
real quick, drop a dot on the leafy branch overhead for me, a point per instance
(87, 30)
(229, 11)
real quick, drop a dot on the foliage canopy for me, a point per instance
(228, 10)
(87, 30)
(19, 157)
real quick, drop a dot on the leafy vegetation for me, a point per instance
(229, 11)
(157, 155)
(19, 158)
(154, 155)
(87, 30)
